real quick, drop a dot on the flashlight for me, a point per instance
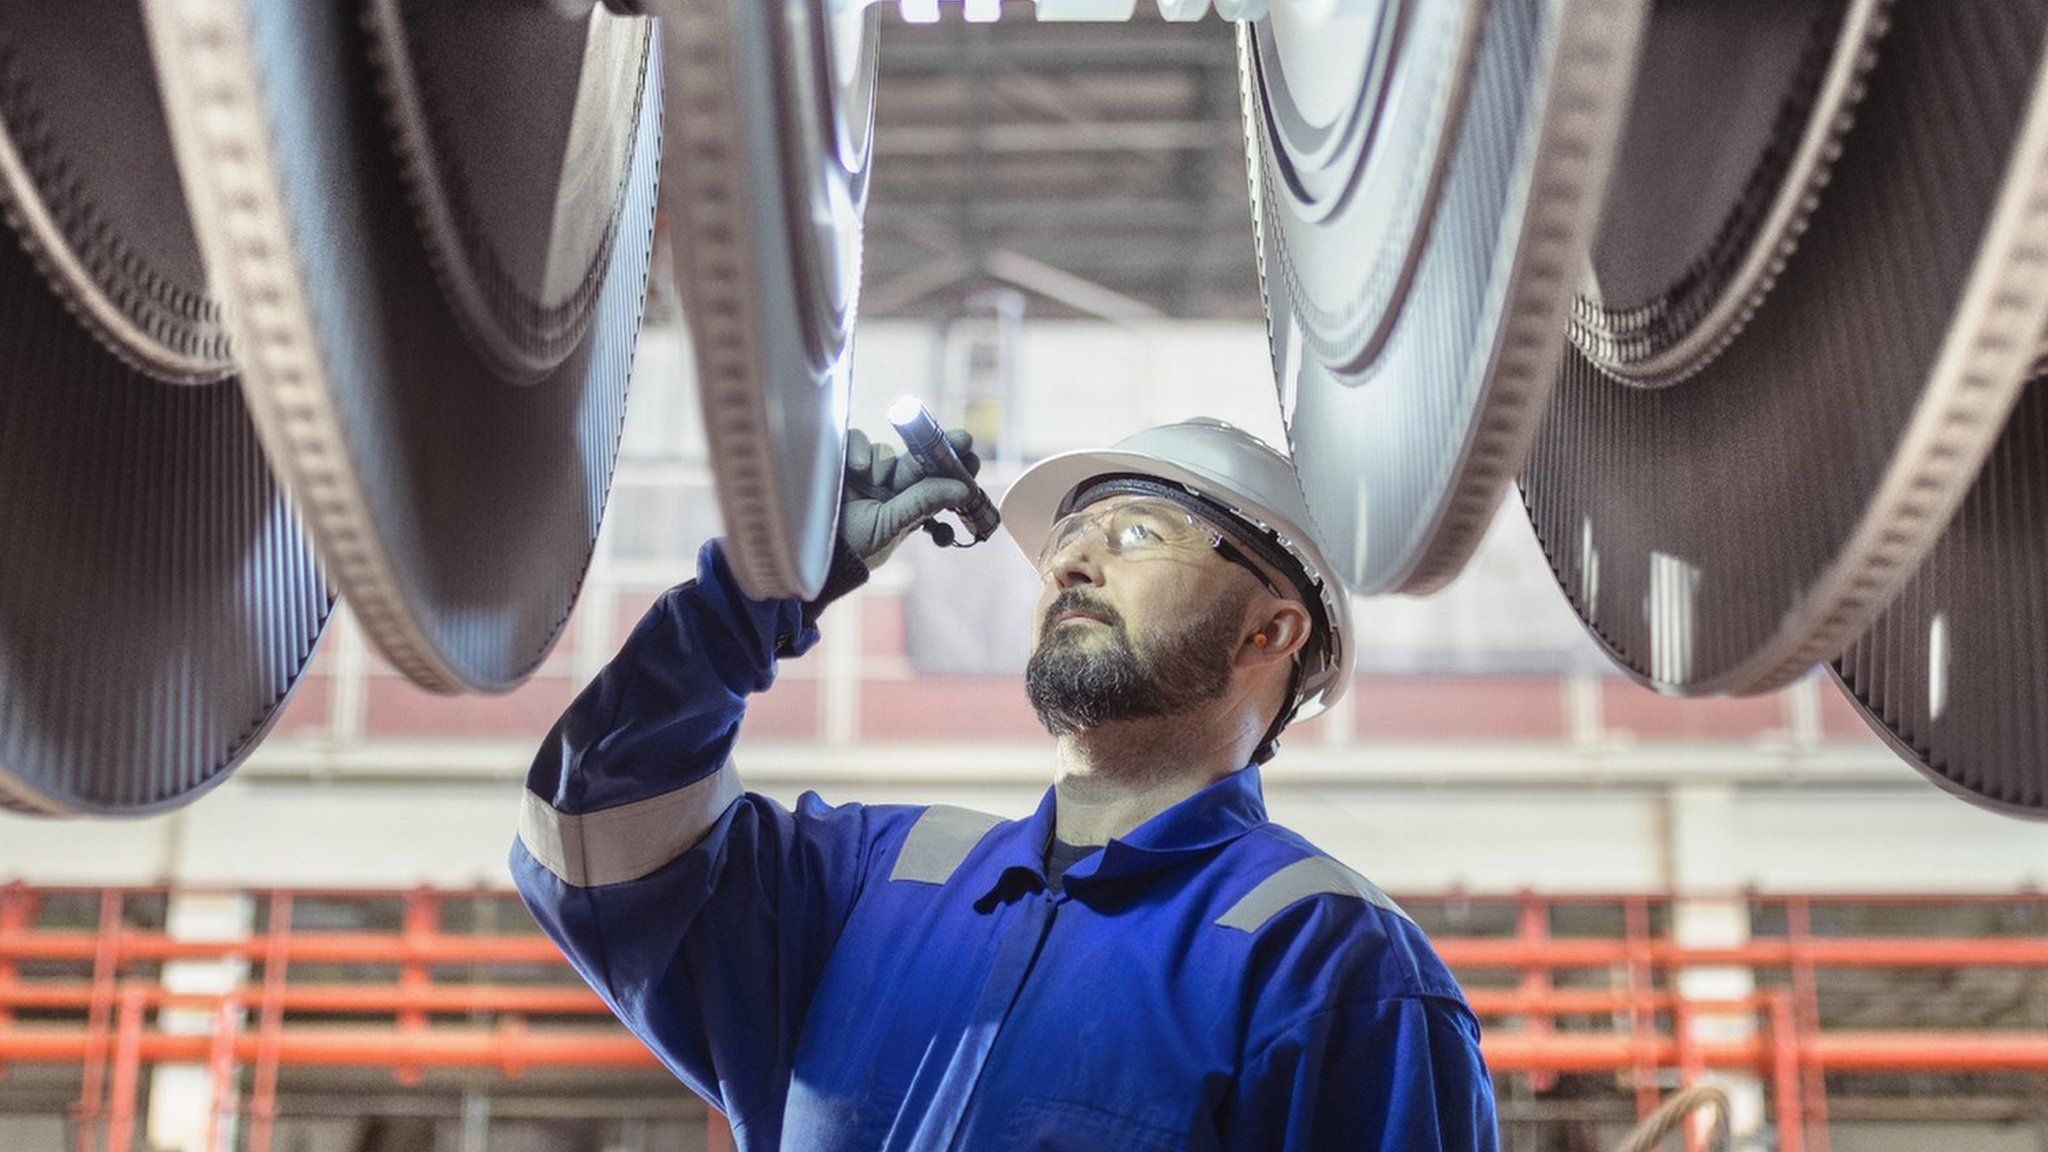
(926, 442)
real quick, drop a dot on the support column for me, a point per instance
(474, 1135)
(17, 915)
(181, 1096)
(1706, 874)
(840, 683)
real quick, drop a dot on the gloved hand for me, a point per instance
(887, 495)
(885, 498)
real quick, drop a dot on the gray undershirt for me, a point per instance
(1060, 856)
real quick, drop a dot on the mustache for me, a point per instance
(1075, 600)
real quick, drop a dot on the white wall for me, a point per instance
(1412, 838)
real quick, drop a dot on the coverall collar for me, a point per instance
(1212, 817)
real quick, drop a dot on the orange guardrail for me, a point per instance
(99, 1000)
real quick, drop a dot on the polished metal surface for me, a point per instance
(771, 112)
(1952, 673)
(515, 145)
(455, 500)
(88, 183)
(1738, 113)
(1425, 180)
(158, 597)
(1726, 533)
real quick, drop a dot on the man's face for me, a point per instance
(1127, 638)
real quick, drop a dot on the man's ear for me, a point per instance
(1282, 632)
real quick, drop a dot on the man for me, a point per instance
(1144, 963)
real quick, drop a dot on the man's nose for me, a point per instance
(1077, 563)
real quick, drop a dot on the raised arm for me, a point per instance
(704, 914)
(701, 913)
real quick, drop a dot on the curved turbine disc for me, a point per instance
(1425, 178)
(1727, 532)
(520, 213)
(772, 110)
(91, 188)
(1951, 674)
(1737, 115)
(434, 225)
(158, 598)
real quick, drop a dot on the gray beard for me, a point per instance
(1076, 683)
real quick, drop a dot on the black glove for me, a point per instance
(885, 498)
(888, 495)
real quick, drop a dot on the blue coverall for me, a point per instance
(885, 976)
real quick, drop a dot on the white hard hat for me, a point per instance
(1229, 468)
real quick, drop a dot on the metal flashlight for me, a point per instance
(925, 441)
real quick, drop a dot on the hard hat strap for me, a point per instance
(1270, 742)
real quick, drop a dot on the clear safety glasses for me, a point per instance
(1145, 529)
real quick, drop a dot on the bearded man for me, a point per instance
(1145, 962)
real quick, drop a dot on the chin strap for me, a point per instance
(1270, 742)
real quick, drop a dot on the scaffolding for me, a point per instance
(1564, 986)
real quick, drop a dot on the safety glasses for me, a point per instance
(1145, 529)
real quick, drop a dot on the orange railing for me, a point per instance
(96, 998)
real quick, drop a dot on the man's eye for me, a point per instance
(1139, 533)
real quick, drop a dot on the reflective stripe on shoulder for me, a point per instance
(1311, 876)
(625, 843)
(939, 841)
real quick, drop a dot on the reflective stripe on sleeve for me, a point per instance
(627, 842)
(1312, 876)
